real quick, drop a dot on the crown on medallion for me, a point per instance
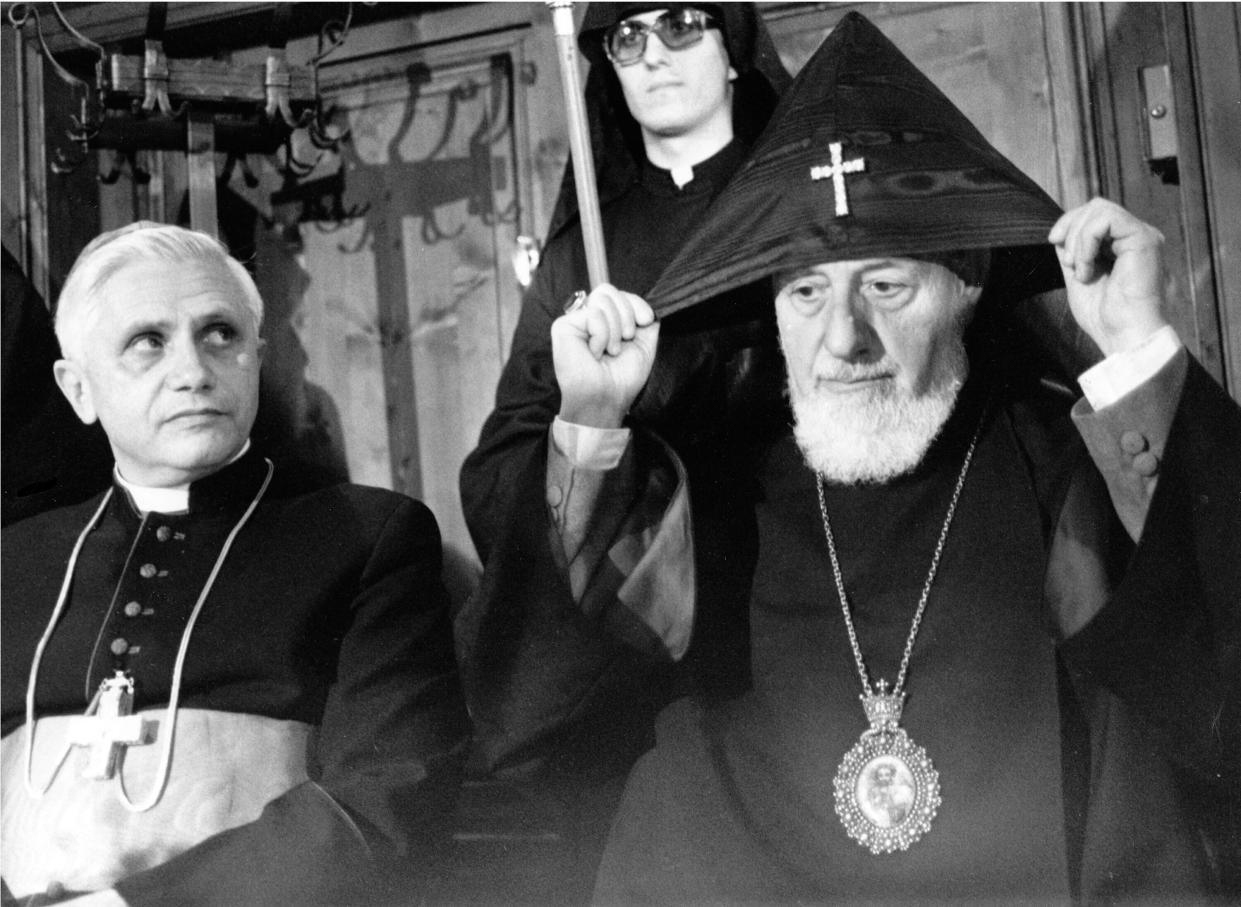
(883, 709)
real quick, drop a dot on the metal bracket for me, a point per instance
(155, 78)
(1159, 116)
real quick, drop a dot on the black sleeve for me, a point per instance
(527, 399)
(544, 675)
(1168, 641)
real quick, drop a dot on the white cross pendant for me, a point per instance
(110, 728)
(835, 171)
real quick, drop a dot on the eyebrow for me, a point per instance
(147, 326)
(657, 12)
(164, 325)
(794, 273)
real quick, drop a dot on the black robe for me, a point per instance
(1101, 767)
(646, 218)
(697, 393)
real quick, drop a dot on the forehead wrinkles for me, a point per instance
(193, 281)
(111, 310)
(851, 269)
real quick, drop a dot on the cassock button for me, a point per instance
(119, 646)
(146, 571)
(1146, 464)
(1132, 443)
(163, 533)
(133, 609)
(554, 496)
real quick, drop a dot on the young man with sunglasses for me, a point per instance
(676, 78)
(675, 97)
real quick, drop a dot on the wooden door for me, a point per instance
(408, 301)
(410, 295)
(1007, 66)
(1192, 195)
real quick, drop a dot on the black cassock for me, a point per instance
(1098, 767)
(1105, 764)
(327, 619)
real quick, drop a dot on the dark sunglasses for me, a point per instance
(625, 42)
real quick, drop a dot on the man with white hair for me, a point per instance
(993, 647)
(220, 686)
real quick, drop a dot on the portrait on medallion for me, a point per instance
(886, 791)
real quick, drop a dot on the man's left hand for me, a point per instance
(1113, 271)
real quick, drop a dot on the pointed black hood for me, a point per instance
(917, 177)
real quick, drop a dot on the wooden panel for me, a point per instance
(1122, 39)
(420, 281)
(72, 198)
(12, 154)
(337, 325)
(1001, 63)
(1215, 30)
(219, 80)
(105, 23)
(34, 138)
(456, 259)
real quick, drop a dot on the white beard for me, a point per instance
(876, 434)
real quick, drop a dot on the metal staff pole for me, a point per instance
(579, 142)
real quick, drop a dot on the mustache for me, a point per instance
(856, 371)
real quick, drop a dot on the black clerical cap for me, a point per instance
(863, 158)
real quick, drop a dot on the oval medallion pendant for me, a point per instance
(886, 791)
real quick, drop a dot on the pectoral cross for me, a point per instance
(111, 727)
(836, 173)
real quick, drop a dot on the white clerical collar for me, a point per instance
(174, 499)
(682, 175)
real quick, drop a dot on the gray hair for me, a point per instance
(142, 241)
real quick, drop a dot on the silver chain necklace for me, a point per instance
(886, 790)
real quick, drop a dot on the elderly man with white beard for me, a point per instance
(992, 644)
(876, 357)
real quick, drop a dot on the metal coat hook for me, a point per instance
(155, 78)
(130, 104)
(21, 13)
(140, 174)
(319, 136)
(292, 166)
(234, 160)
(332, 35)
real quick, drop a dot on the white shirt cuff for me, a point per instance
(1118, 374)
(587, 447)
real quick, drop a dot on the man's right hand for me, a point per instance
(603, 353)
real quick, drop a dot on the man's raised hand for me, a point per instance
(1113, 272)
(603, 352)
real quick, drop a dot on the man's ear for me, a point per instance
(260, 347)
(732, 74)
(73, 384)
